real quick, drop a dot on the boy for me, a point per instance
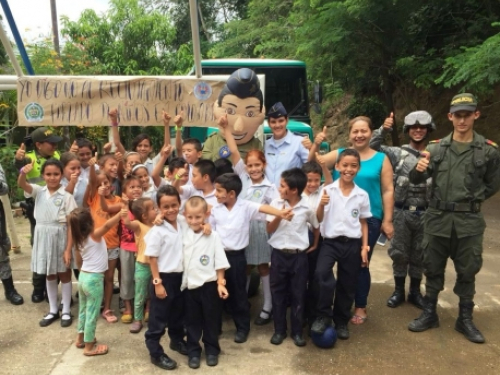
(191, 150)
(203, 279)
(314, 172)
(231, 219)
(343, 210)
(173, 169)
(202, 182)
(290, 243)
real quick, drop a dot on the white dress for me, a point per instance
(51, 231)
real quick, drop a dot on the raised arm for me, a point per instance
(158, 168)
(113, 117)
(231, 143)
(21, 179)
(387, 186)
(108, 225)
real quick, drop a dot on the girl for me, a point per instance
(143, 209)
(113, 170)
(131, 190)
(132, 159)
(92, 260)
(102, 203)
(256, 188)
(71, 175)
(51, 245)
(376, 178)
(82, 148)
(151, 184)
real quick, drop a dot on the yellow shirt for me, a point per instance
(140, 243)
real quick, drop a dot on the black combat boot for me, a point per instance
(39, 285)
(11, 292)
(415, 297)
(428, 318)
(398, 297)
(465, 325)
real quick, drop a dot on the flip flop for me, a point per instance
(108, 315)
(97, 350)
(81, 345)
(358, 320)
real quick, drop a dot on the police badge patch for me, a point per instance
(224, 152)
(204, 260)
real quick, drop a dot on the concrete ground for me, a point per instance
(383, 345)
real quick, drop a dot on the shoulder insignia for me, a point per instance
(435, 141)
(491, 143)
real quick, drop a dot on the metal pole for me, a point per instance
(195, 31)
(10, 52)
(55, 26)
(18, 40)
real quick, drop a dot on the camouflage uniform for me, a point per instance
(5, 270)
(215, 147)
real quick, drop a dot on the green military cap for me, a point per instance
(44, 134)
(463, 102)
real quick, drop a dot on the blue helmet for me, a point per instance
(326, 340)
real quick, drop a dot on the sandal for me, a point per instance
(127, 318)
(136, 327)
(97, 350)
(108, 315)
(358, 320)
(81, 345)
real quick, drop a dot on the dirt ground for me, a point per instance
(383, 345)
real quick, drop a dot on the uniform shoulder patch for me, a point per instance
(435, 141)
(491, 143)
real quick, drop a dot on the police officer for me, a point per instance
(44, 147)
(465, 171)
(5, 270)
(411, 201)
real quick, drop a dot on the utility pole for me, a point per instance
(55, 26)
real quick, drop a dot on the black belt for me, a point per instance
(402, 206)
(233, 252)
(454, 206)
(290, 251)
(342, 238)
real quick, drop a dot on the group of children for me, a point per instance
(185, 243)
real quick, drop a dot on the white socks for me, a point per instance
(66, 299)
(52, 294)
(268, 301)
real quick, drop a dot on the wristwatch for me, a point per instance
(221, 282)
(156, 281)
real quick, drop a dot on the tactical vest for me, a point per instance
(35, 177)
(405, 192)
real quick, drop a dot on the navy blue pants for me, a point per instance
(347, 253)
(236, 285)
(165, 312)
(288, 278)
(203, 318)
(312, 259)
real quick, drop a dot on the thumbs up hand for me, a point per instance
(389, 122)
(74, 178)
(74, 148)
(166, 151)
(424, 161)
(28, 167)
(93, 161)
(166, 118)
(306, 142)
(325, 198)
(321, 136)
(21, 152)
(102, 190)
(179, 119)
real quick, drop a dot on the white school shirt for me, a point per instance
(61, 198)
(234, 226)
(293, 234)
(150, 163)
(284, 154)
(203, 256)
(342, 213)
(313, 201)
(165, 243)
(189, 191)
(152, 190)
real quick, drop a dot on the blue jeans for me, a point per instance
(364, 278)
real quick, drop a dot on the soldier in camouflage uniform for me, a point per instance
(411, 201)
(5, 270)
(465, 171)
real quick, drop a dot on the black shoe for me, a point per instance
(466, 326)
(259, 321)
(66, 322)
(320, 324)
(240, 337)
(397, 298)
(194, 362)
(116, 290)
(298, 340)
(37, 296)
(179, 347)
(342, 331)
(416, 298)
(278, 338)
(11, 293)
(212, 360)
(45, 322)
(428, 318)
(164, 362)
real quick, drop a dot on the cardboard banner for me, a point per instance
(86, 101)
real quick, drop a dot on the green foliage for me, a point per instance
(7, 154)
(371, 107)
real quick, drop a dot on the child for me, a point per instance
(256, 188)
(290, 242)
(343, 210)
(191, 152)
(174, 166)
(82, 148)
(150, 184)
(109, 164)
(223, 166)
(164, 249)
(51, 253)
(71, 173)
(92, 260)
(131, 159)
(99, 192)
(143, 209)
(314, 172)
(231, 219)
(128, 249)
(202, 182)
(203, 279)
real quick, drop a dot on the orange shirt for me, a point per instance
(100, 217)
